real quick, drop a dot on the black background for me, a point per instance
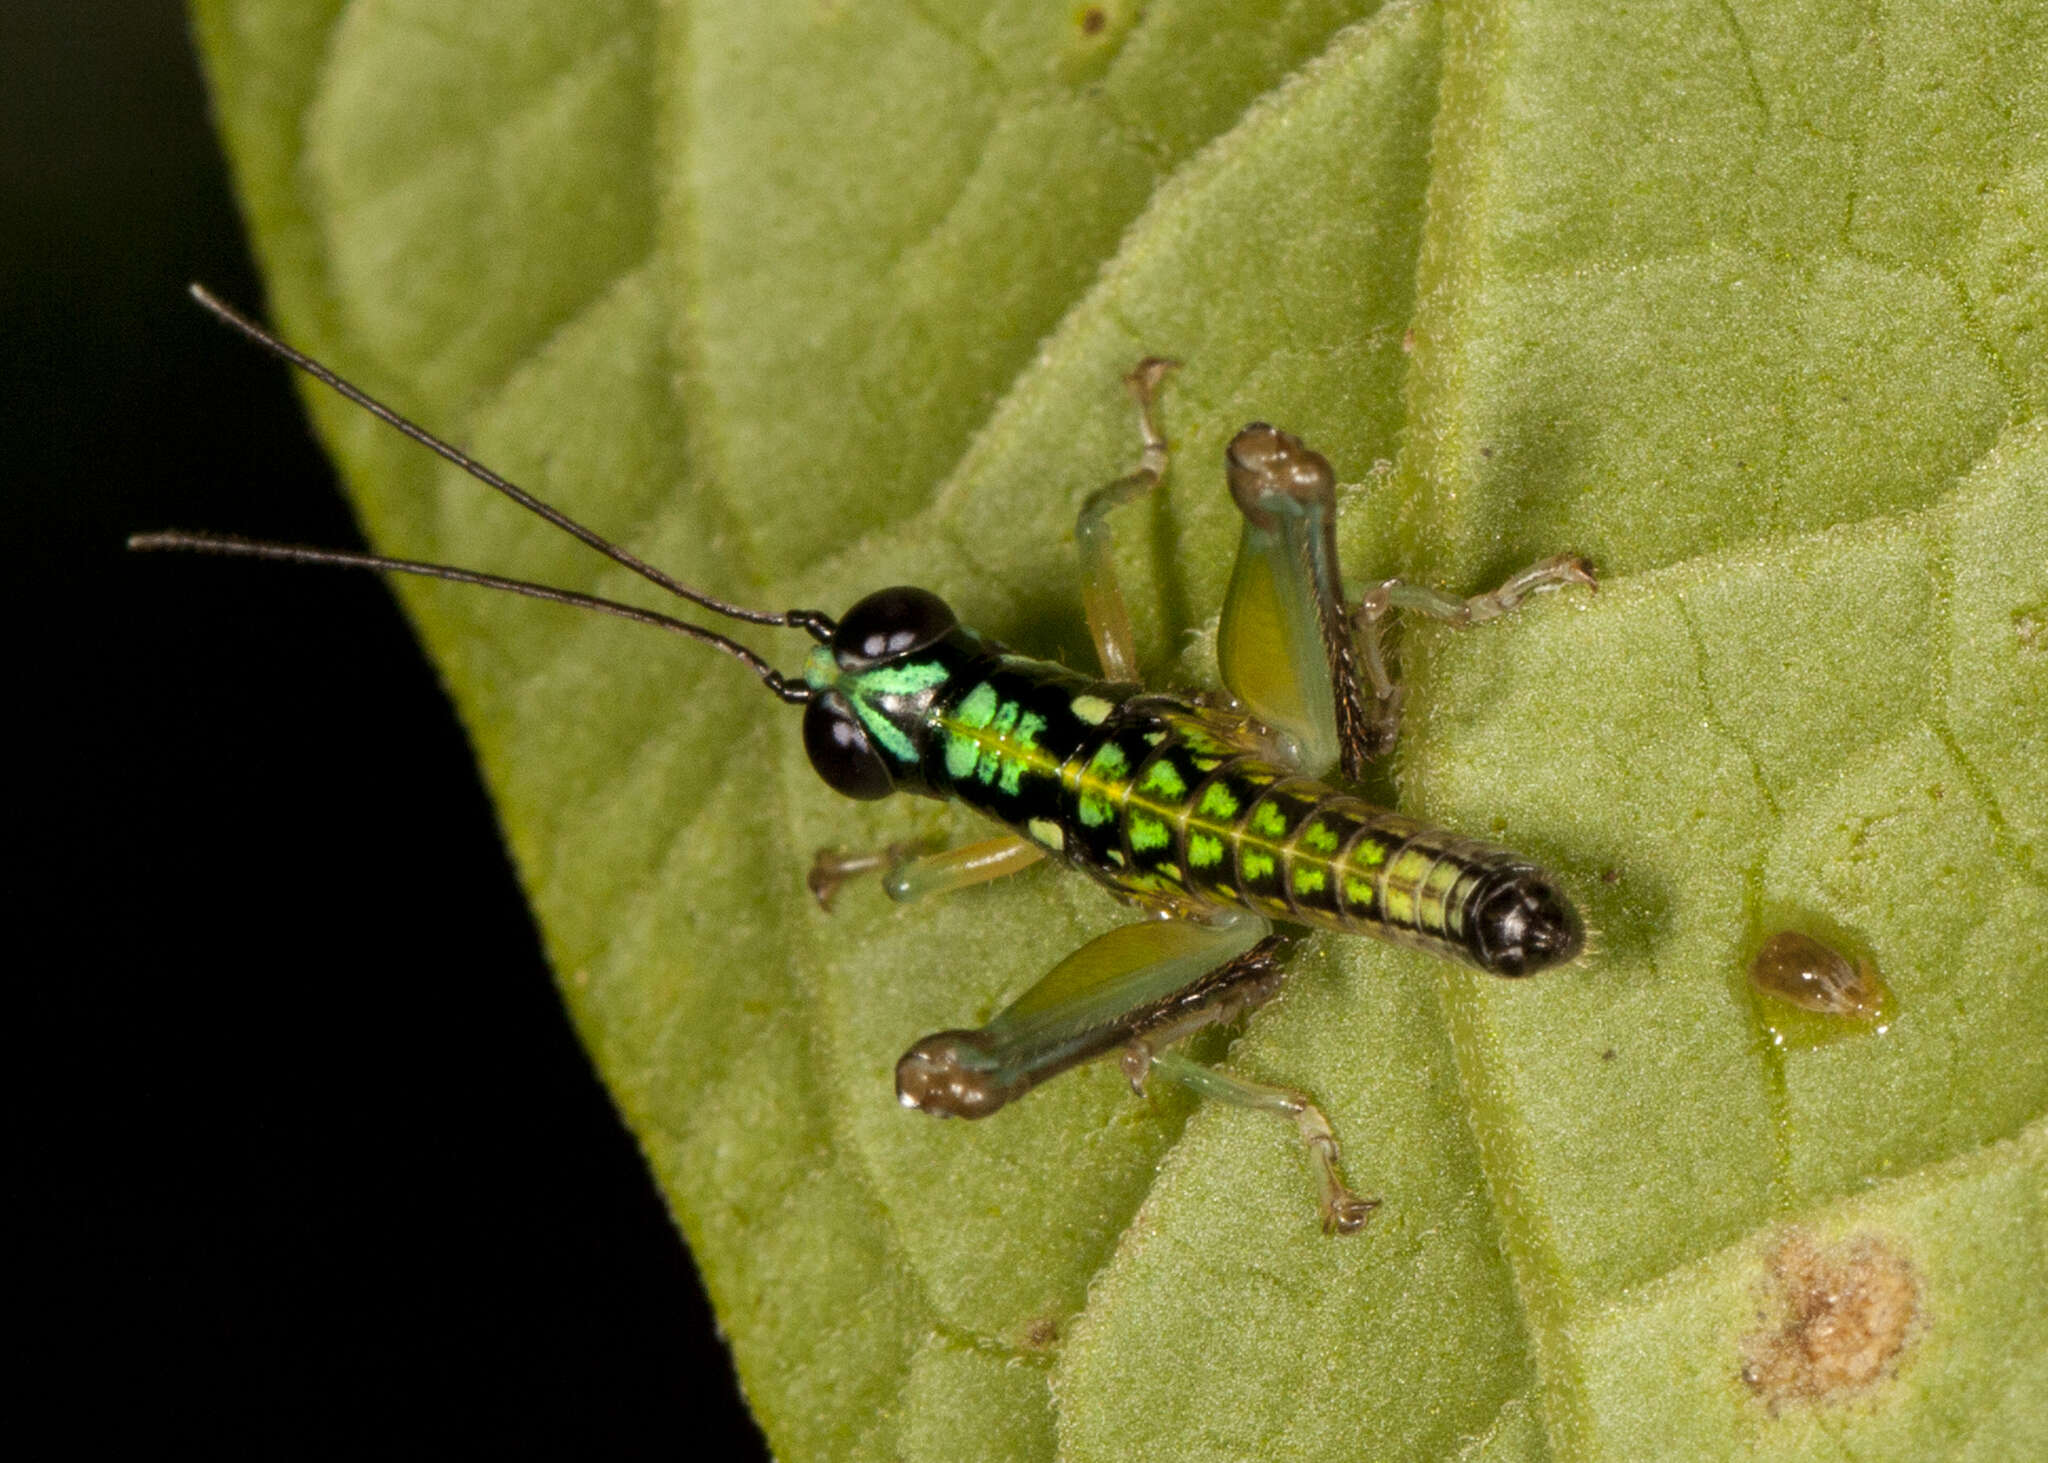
(313, 1162)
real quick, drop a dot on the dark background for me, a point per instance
(313, 1162)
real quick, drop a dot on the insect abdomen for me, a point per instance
(1162, 801)
(1169, 805)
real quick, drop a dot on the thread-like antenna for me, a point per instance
(817, 624)
(244, 548)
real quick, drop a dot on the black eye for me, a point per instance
(839, 748)
(889, 623)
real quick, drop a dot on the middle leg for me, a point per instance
(1379, 604)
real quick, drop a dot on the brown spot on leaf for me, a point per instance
(1040, 1333)
(1093, 19)
(2030, 628)
(1833, 1320)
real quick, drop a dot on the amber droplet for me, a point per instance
(1806, 973)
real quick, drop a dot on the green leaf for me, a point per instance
(1748, 303)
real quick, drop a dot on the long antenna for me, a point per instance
(820, 626)
(232, 547)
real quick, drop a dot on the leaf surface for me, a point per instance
(1748, 304)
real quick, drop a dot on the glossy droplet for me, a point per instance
(1806, 973)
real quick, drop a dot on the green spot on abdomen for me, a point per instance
(1147, 833)
(1164, 777)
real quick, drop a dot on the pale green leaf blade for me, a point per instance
(803, 299)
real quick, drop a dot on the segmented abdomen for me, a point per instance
(1171, 802)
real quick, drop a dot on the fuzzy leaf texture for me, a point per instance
(1747, 302)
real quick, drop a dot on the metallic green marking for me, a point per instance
(1257, 865)
(993, 758)
(1358, 892)
(1154, 738)
(900, 680)
(1205, 850)
(1047, 832)
(884, 731)
(1148, 833)
(961, 755)
(821, 670)
(1165, 777)
(1308, 879)
(977, 707)
(1029, 725)
(1218, 801)
(1319, 837)
(1116, 856)
(1370, 852)
(973, 712)
(1269, 820)
(1105, 769)
(1171, 871)
(1091, 709)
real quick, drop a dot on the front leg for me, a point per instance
(1102, 600)
(909, 872)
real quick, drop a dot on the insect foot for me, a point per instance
(1343, 1211)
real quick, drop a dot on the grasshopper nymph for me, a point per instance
(1211, 815)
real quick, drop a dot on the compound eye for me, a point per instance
(841, 752)
(889, 623)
